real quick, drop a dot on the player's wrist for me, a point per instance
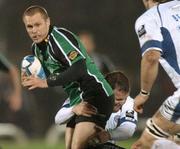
(144, 92)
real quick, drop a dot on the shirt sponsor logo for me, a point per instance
(72, 55)
(130, 114)
(141, 31)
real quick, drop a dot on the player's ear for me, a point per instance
(48, 21)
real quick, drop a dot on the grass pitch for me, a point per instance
(40, 144)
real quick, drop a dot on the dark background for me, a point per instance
(111, 22)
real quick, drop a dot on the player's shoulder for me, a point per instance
(62, 30)
(129, 101)
(128, 105)
(147, 15)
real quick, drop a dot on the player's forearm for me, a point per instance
(149, 71)
(73, 73)
(14, 74)
(124, 131)
(63, 115)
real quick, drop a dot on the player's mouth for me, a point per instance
(36, 37)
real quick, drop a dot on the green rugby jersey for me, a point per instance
(59, 52)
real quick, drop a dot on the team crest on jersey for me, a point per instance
(72, 55)
(130, 114)
(141, 31)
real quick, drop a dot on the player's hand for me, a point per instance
(139, 101)
(84, 109)
(103, 136)
(137, 145)
(23, 76)
(33, 82)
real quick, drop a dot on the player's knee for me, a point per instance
(153, 129)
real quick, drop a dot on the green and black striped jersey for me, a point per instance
(66, 63)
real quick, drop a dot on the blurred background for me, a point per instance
(111, 22)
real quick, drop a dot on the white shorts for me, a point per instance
(165, 144)
(170, 108)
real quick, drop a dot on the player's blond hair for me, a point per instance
(30, 11)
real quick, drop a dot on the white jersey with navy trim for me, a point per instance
(159, 28)
(122, 124)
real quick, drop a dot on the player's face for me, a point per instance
(120, 98)
(37, 27)
(148, 3)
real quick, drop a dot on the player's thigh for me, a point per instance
(68, 137)
(169, 114)
(83, 132)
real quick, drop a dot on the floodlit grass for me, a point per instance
(127, 144)
(40, 144)
(33, 144)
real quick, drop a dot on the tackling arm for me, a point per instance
(124, 131)
(63, 115)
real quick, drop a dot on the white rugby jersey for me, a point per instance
(122, 124)
(159, 28)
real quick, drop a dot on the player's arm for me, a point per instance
(123, 132)
(74, 60)
(150, 38)
(15, 100)
(149, 69)
(74, 73)
(64, 114)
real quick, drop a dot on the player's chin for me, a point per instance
(37, 40)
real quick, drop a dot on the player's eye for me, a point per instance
(29, 26)
(37, 24)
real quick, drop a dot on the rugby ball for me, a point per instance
(32, 66)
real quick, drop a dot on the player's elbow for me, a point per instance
(152, 56)
(128, 133)
(125, 131)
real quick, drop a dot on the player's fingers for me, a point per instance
(32, 87)
(91, 112)
(91, 107)
(26, 83)
(88, 111)
(98, 129)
